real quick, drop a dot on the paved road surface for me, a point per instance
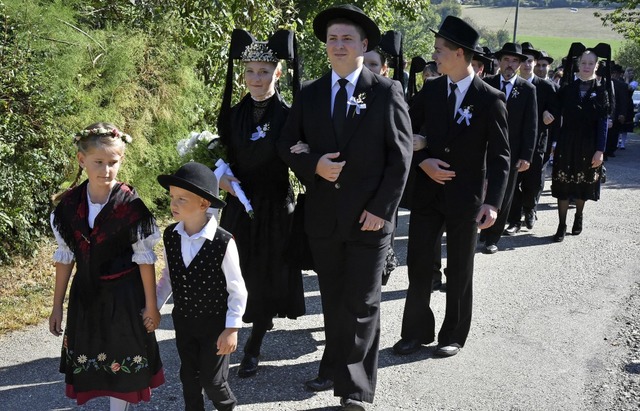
(555, 328)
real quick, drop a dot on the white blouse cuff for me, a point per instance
(63, 256)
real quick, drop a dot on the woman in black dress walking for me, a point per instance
(249, 131)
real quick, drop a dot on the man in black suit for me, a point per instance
(618, 116)
(531, 182)
(358, 130)
(523, 130)
(464, 122)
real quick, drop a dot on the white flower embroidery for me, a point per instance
(102, 356)
(137, 359)
(358, 102)
(261, 132)
(82, 359)
(465, 114)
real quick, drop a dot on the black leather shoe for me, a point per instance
(436, 285)
(577, 225)
(248, 366)
(558, 237)
(319, 384)
(349, 404)
(447, 350)
(512, 229)
(490, 248)
(406, 346)
(529, 218)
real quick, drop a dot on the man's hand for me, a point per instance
(300, 148)
(437, 170)
(370, 222)
(328, 169)
(487, 216)
(227, 341)
(547, 118)
(522, 165)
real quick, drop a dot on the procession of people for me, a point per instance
(467, 154)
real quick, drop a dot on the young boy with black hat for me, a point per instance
(209, 294)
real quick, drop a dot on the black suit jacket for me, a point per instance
(376, 145)
(522, 108)
(547, 99)
(476, 151)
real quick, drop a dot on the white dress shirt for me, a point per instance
(351, 85)
(190, 245)
(461, 89)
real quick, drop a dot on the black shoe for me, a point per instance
(577, 225)
(406, 346)
(558, 237)
(490, 248)
(319, 384)
(447, 350)
(248, 366)
(443, 288)
(512, 229)
(349, 404)
(529, 218)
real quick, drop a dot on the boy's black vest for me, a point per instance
(199, 290)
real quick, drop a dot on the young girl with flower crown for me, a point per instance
(104, 229)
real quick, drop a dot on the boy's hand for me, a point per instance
(227, 341)
(151, 318)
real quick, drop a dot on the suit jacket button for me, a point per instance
(446, 149)
(337, 186)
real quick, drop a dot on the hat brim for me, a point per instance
(498, 54)
(483, 59)
(548, 58)
(444, 36)
(369, 26)
(170, 180)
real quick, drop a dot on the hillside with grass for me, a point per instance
(550, 29)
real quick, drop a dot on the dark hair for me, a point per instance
(468, 54)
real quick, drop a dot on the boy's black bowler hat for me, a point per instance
(511, 49)
(196, 178)
(459, 32)
(351, 13)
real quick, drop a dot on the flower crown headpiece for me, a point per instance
(259, 51)
(101, 131)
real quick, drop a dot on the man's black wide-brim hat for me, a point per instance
(196, 178)
(510, 49)
(351, 13)
(459, 32)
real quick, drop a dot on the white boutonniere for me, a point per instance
(514, 93)
(261, 132)
(465, 114)
(593, 95)
(358, 102)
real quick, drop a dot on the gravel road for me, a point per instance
(556, 327)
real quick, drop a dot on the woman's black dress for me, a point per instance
(583, 132)
(274, 285)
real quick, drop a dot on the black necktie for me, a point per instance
(451, 100)
(504, 88)
(340, 107)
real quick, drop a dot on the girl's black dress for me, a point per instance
(274, 285)
(584, 131)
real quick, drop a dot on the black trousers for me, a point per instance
(425, 231)
(350, 278)
(200, 367)
(492, 234)
(529, 185)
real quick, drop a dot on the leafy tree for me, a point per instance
(625, 18)
(629, 56)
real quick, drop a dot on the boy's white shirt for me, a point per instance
(190, 245)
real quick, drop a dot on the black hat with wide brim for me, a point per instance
(510, 49)
(545, 56)
(196, 178)
(351, 13)
(527, 48)
(459, 32)
(481, 57)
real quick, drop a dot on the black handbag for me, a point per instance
(603, 174)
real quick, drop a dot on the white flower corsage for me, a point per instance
(465, 114)
(261, 132)
(358, 102)
(514, 93)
